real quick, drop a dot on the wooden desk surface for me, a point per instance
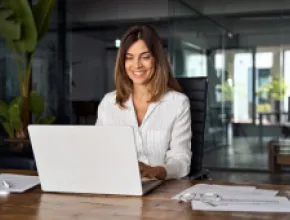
(157, 205)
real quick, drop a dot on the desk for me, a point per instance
(278, 122)
(157, 205)
(279, 154)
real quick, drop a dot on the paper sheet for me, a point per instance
(257, 204)
(227, 190)
(18, 183)
(233, 199)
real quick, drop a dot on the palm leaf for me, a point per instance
(47, 120)
(15, 119)
(36, 104)
(9, 29)
(42, 12)
(22, 13)
(4, 110)
(17, 101)
(9, 129)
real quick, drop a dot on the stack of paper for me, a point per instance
(18, 183)
(235, 198)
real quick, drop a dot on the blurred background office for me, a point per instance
(242, 46)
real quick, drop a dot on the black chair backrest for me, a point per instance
(196, 90)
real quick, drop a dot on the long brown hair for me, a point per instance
(162, 79)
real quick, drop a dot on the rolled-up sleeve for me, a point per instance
(178, 157)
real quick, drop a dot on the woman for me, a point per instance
(149, 99)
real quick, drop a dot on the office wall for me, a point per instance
(116, 10)
(85, 66)
(88, 63)
(111, 59)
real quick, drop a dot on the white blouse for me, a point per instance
(164, 137)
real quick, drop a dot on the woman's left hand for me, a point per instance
(152, 172)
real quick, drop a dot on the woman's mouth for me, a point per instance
(139, 73)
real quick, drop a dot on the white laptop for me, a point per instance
(88, 159)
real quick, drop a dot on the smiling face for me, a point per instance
(142, 61)
(139, 63)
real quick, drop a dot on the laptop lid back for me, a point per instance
(86, 159)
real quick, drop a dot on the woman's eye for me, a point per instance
(146, 58)
(128, 58)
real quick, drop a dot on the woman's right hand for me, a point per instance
(143, 167)
(152, 172)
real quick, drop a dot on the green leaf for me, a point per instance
(17, 101)
(15, 119)
(9, 129)
(47, 120)
(2, 119)
(9, 29)
(22, 13)
(4, 110)
(42, 11)
(15, 45)
(36, 104)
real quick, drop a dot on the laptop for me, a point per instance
(88, 159)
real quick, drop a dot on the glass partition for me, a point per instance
(245, 56)
(190, 38)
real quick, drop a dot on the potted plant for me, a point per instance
(275, 91)
(22, 27)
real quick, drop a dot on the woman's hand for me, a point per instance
(152, 172)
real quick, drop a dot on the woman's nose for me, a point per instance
(137, 63)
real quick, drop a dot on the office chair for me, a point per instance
(196, 90)
(84, 109)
